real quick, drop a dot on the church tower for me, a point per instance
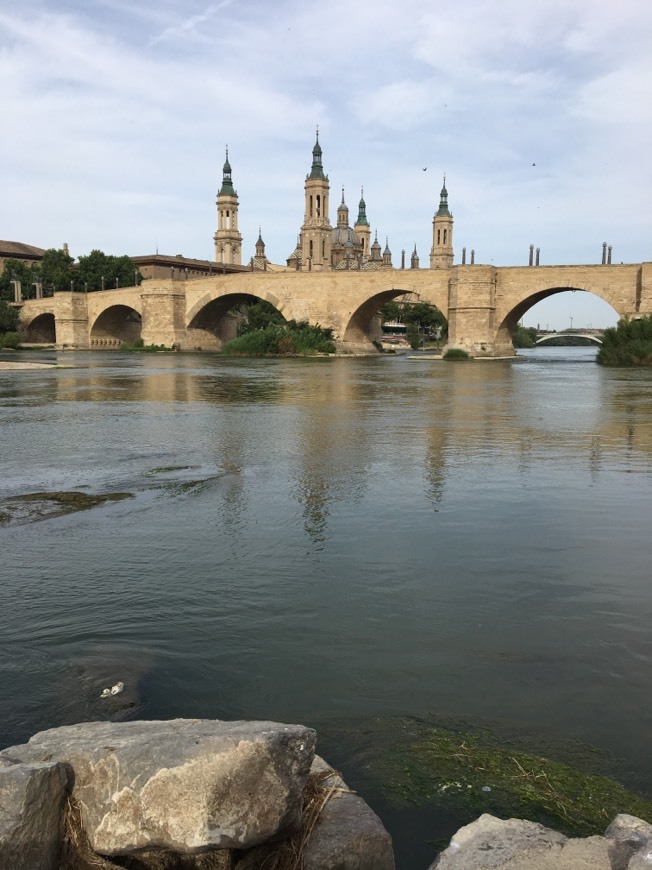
(441, 254)
(228, 241)
(362, 228)
(316, 230)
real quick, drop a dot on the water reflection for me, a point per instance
(362, 538)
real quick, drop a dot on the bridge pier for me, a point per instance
(472, 313)
(71, 322)
(164, 316)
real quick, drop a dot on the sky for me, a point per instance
(116, 115)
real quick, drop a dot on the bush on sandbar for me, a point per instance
(288, 339)
(456, 353)
(629, 343)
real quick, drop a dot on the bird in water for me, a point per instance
(114, 690)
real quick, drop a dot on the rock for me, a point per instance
(339, 831)
(31, 808)
(629, 835)
(493, 844)
(185, 785)
(348, 835)
(641, 860)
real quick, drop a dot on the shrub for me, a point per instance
(629, 343)
(456, 353)
(9, 340)
(290, 339)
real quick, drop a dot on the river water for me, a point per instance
(335, 542)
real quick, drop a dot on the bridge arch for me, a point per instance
(210, 323)
(42, 329)
(116, 325)
(363, 326)
(510, 321)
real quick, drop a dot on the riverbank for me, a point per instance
(7, 365)
(204, 794)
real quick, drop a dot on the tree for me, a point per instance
(524, 336)
(391, 312)
(56, 270)
(258, 315)
(17, 270)
(98, 265)
(629, 343)
(8, 317)
(425, 317)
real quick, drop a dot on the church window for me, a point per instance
(311, 249)
(445, 234)
(439, 237)
(310, 213)
(318, 201)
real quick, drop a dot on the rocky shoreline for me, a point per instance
(195, 794)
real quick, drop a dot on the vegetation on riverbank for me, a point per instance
(471, 772)
(629, 343)
(289, 338)
(138, 346)
(9, 340)
(456, 353)
(524, 336)
(9, 337)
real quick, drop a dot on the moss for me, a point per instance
(45, 505)
(167, 469)
(471, 773)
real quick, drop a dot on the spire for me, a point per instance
(362, 211)
(317, 170)
(227, 183)
(260, 245)
(387, 254)
(343, 213)
(443, 201)
(375, 248)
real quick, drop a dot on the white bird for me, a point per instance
(106, 693)
(115, 690)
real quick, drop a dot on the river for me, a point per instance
(336, 542)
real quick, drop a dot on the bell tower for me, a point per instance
(362, 227)
(316, 232)
(228, 241)
(441, 254)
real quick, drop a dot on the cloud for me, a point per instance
(119, 112)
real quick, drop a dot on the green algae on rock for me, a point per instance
(473, 773)
(35, 506)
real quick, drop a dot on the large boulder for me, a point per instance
(489, 843)
(348, 835)
(31, 806)
(339, 831)
(629, 836)
(185, 785)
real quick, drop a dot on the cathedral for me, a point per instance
(320, 246)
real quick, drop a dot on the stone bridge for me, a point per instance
(483, 304)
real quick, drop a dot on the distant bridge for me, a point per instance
(483, 304)
(548, 336)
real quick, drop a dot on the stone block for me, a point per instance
(31, 809)
(185, 785)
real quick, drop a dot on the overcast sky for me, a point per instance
(116, 113)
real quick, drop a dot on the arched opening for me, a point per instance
(41, 330)
(115, 326)
(364, 329)
(217, 322)
(559, 310)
